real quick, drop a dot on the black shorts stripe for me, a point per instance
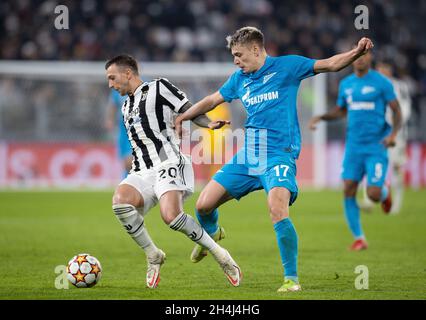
(181, 167)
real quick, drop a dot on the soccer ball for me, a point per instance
(84, 270)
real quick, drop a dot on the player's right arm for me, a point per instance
(203, 120)
(201, 107)
(335, 113)
(339, 111)
(342, 60)
(389, 141)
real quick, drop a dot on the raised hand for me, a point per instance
(364, 44)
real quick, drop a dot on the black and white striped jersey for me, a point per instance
(149, 116)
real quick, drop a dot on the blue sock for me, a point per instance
(352, 217)
(209, 221)
(384, 194)
(287, 244)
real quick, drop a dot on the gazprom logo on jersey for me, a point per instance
(259, 98)
(362, 105)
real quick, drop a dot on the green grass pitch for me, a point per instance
(40, 230)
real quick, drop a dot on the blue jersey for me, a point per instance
(124, 149)
(365, 99)
(269, 97)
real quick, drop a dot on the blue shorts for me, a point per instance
(238, 178)
(356, 164)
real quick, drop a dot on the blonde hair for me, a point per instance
(244, 36)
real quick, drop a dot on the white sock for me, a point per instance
(133, 222)
(188, 226)
(367, 201)
(398, 189)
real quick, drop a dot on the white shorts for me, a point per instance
(153, 183)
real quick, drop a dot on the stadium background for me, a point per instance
(53, 97)
(54, 94)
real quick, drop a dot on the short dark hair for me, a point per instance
(244, 36)
(124, 60)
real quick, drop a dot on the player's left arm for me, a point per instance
(342, 60)
(203, 120)
(389, 141)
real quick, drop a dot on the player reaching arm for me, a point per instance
(389, 141)
(332, 64)
(335, 113)
(342, 60)
(202, 120)
(196, 111)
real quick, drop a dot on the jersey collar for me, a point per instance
(257, 74)
(139, 88)
(364, 76)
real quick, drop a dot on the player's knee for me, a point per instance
(169, 214)
(374, 194)
(277, 212)
(123, 198)
(118, 198)
(168, 219)
(203, 206)
(349, 190)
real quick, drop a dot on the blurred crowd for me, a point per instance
(195, 30)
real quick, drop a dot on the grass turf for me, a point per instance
(40, 230)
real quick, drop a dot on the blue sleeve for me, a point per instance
(116, 99)
(111, 97)
(229, 89)
(301, 67)
(341, 99)
(388, 90)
